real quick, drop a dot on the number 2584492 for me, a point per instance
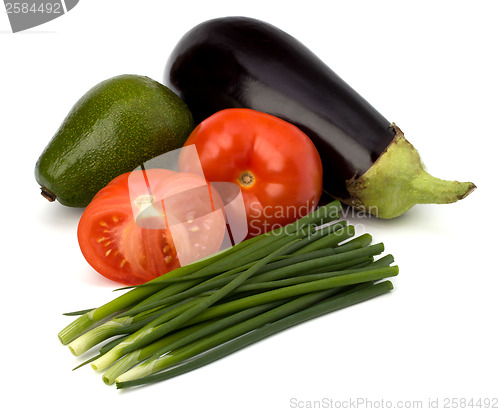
(25, 8)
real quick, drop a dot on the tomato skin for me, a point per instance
(275, 164)
(121, 249)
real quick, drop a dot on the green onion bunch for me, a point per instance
(201, 312)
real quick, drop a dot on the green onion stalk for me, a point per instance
(167, 308)
(158, 327)
(232, 339)
(210, 265)
(204, 311)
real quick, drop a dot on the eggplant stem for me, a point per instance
(428, 189)
(397, 181)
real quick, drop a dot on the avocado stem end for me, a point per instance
(47, 194)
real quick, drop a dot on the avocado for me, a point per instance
(116, 126)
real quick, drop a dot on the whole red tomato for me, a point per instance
(275, 164)
(127, 231)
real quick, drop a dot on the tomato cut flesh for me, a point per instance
(127, 248)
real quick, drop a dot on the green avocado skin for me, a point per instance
(117, 125)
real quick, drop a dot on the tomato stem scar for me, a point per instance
(246, 179)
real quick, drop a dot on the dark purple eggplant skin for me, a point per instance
(236, 62)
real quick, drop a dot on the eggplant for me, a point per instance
(242, 62)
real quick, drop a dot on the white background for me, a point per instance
(431, 67)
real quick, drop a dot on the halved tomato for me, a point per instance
(146, 223)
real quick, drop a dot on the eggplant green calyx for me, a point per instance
(397, 181)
